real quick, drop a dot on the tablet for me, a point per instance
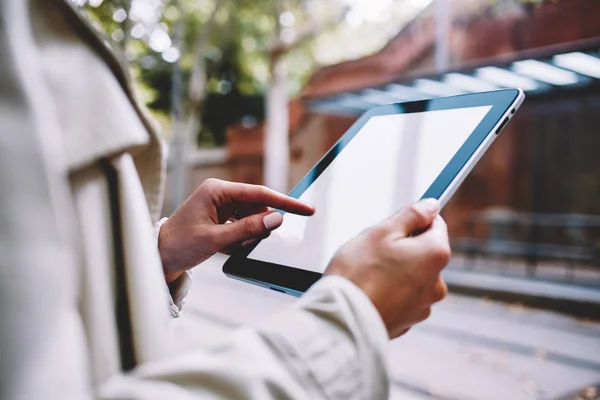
(393, 155)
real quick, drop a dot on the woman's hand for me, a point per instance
(400, 273)
(198, 228)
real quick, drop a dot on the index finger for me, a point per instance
(255, 194)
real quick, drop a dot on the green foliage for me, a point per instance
(235, 49)
(221, 110)
(236, 54)
(157, 74)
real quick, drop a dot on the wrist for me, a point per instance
(171, 277)
(165, 254)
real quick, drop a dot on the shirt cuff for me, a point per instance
(341, 351)
(179, 288)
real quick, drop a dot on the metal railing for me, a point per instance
(569, 239)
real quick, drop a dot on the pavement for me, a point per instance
(470, 347)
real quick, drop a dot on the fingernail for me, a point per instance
(432, 206)
(272, 220)
(249, 242)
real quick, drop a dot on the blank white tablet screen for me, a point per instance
(390, 163)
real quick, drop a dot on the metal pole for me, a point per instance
(177, 162)
(276, 146)
(276, 135)
(442, 31)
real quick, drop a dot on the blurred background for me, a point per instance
(258, 91)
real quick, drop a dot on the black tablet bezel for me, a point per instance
(296, 281)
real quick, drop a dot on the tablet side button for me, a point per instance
(502, 125)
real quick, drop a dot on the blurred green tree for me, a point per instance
(203, 65)
(185, 54)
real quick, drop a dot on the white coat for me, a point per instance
(84, 309)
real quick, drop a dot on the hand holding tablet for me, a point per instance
(391, 157)
(400, 274)
(198, 228)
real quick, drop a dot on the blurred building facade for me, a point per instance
(545, 160)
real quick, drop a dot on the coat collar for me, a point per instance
(96, 104)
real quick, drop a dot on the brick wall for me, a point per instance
(503, 179)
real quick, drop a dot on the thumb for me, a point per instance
(253, 226)
(415, 217)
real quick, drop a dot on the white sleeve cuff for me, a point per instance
(178, 290)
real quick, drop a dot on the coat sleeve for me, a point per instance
(327, 346)
(38, 267)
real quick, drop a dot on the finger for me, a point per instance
(422, 315)
(431, 249)
(439, 291)
(254, 194)
(398, 332)
(435, 245)
(246, 243)
(436, 233)
(415, 217)
(254, 226)
(246, 210)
